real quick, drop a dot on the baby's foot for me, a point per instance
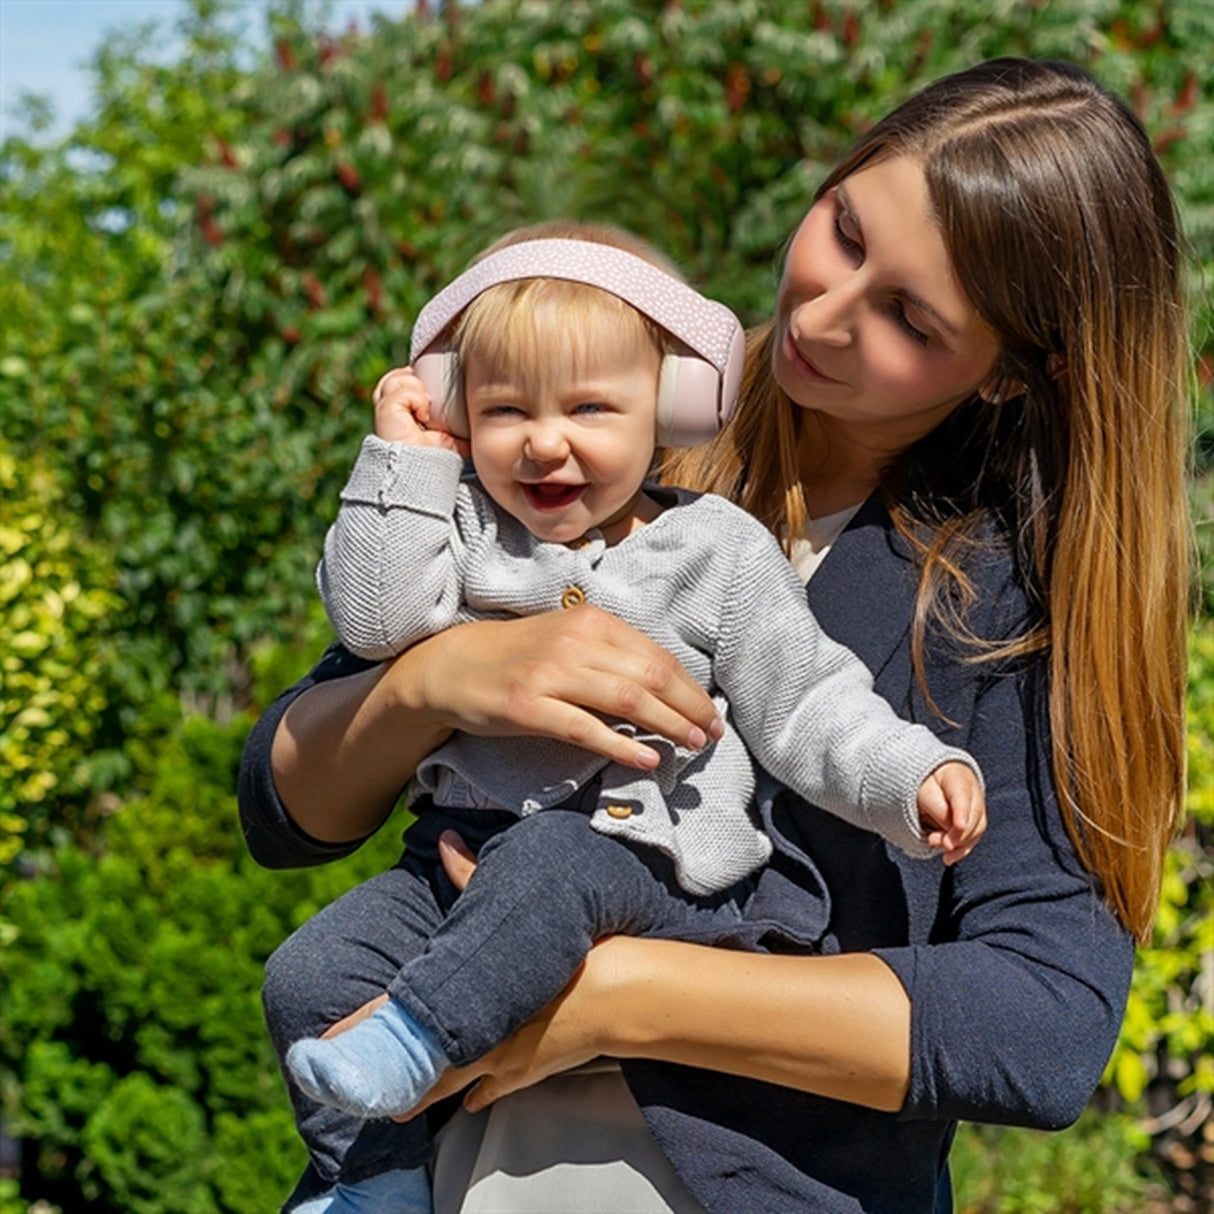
(379, 1068)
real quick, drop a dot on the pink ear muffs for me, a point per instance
(699, 381)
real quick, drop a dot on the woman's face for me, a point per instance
(873, 331)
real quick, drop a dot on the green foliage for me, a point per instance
(1167, 1040)
(55, 595)
(1088, 1169)
(132, 1048)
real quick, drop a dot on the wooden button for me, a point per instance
(572, 596)
(578, 545)
(619, 811)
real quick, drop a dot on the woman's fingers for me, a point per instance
(458, 861)
(452, 1081)
(553, 674)
(348, 1022)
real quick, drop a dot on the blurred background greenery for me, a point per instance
(200, 282)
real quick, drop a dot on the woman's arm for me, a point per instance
(835, 1026)
(331, 762)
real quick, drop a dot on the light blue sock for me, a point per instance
(381, 1067)
(401, 1191)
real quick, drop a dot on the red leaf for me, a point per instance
(379, 102)
(737, 87)
(204, 209)
(1186, 98)
(375, 289)
(330, 49)
(1168, 138)
(285, 54)
(314, 290)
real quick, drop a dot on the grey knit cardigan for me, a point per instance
(418, 547)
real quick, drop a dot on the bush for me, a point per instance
(56, 593)
(1092, 1168)
(132, 1049)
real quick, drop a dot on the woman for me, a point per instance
(972, 394)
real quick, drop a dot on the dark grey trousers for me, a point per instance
(471, 967)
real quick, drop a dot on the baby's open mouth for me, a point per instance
(551, 496)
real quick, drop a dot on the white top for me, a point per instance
(810, 548)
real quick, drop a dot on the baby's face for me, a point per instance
(566, 452)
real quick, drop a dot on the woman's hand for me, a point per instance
(346, 748)
(550, 675)
(558, 1038)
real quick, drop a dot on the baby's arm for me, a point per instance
(402, 409)
(806, 707)
(952, 810)
(391, 572)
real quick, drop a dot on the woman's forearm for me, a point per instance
(836, 1026)
(346, 748)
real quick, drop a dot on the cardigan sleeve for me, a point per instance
(1015, 1016)
(806, 706)
(1016, 969)
(391, 571)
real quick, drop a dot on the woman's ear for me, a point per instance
(998, 388)
(1056, 364)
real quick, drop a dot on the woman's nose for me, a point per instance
(826, 318)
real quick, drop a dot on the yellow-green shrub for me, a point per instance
(55, 593)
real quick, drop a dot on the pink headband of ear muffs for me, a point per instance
(699, 381)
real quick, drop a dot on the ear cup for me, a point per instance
(437, 370)
(699, 387)
(695, 399)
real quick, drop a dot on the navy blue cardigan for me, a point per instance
(1016, 971)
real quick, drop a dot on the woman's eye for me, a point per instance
(898, 311)
(845, 240)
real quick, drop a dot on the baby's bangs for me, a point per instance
(541, 324)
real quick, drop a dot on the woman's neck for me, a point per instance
(836, 471)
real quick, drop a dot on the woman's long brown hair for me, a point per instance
(1063, 233)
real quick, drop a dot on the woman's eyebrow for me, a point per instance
(915, 300)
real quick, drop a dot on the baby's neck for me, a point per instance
(641, 510)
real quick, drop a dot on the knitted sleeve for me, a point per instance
(806, 707)
(390, 574)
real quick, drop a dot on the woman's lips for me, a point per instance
(802, 365)
(552, 497)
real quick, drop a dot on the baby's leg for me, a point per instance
(337, 961)
(543, 892)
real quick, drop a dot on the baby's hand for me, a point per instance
(402, 409)
(952, 810)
